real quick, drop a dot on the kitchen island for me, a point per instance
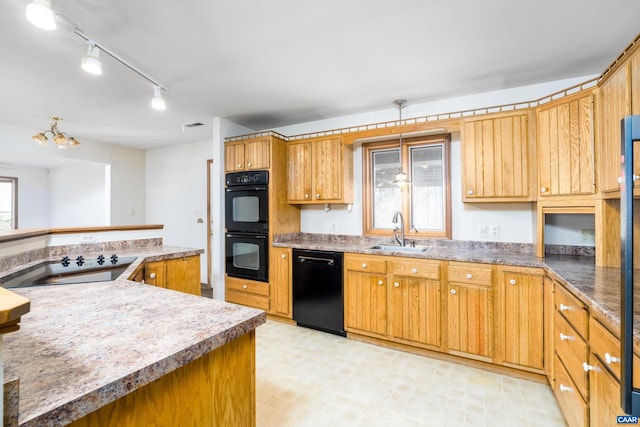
(125, 353)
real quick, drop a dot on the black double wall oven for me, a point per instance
(247, 225)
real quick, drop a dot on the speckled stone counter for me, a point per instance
(597, 287)
(85, 345)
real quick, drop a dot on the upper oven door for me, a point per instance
(247, 209)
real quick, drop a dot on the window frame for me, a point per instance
(367, 196)
(14, 199)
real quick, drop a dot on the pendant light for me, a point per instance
(39, 13)
(62, 141)
(401, 177)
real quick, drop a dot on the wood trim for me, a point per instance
(12, 306)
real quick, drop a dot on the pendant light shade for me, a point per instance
(91, 62)
(158, 101)
(39, 13)
(401, 177)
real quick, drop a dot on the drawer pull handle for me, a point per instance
(380, 282)
(610, 359)
(588, 367)
(364, 265)
(396, 285)
(512, 282)
(152, 276)
(564, 388)
(564, 337)
(565, 307)
(244, 286)
(469, 276)
(453, 291)
(414, 271)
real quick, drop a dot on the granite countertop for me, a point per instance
(596, 287)
(85, 345)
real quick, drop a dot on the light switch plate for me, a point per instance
(587, 235)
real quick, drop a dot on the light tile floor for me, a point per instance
(310, 378)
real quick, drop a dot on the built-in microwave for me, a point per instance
(247, 202)
(247, 255)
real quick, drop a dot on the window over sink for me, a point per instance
(425, 203)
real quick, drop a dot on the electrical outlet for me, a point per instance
(88, 238)
(333, 226)
(587, 235)
(482, 231)
(494, 231)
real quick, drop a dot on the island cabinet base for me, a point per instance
(217, 389)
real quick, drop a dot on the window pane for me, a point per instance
(387, 197)
(7, 204)
(427, 195)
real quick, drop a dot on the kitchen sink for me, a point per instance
(397, 248)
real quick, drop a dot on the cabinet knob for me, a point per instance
(565, 307)
(543, 189)
(306, 196)
(249, 164)
(564, 337)
(396, 285)
(610, 359)
(283, 256)
(380, 282)
(469, 276)
(452, 291)
(239, 165)
(564, 388)
(470, 192)
(414, 271)
(364, 265)
(588, 367)
(620, 180)
(244, 286)
(512, 282)
(152, 276)
(317, 195)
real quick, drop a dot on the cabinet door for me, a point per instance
(183, 275)
(522, 319)
(604, 395)
(566, 147)
(495, 157)
(327, 169)
(415, 310)
(299, 172)
(256, 154)
(234, 157)
(280, 282)
(366, 303)
(469, 319)
(154, 274)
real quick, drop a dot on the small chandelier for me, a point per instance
(401, 177)
(61, 140)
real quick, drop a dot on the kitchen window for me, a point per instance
(425, 203)
(8, 203)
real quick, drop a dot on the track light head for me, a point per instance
(39, 13)
(91, 62)
(158, 101)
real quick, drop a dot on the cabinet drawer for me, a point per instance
(368, 264)
(463, 272)
(574, 408)
(245, 285)
(573, 352)
(605, 346)
(414, 268)
(246, 298)
(572, 309)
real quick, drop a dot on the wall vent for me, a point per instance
(193, 125)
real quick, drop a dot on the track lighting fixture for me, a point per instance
(91, 63)
(39, 13)
(158, 101)
(61, 140)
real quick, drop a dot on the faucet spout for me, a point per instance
(396, 216)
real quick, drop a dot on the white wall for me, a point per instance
(516, 221)
(33, 194)
(78, 196)
(127, 167)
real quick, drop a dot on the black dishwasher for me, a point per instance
(317, 290)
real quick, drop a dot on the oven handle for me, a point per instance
(252, 236)
(241, 188)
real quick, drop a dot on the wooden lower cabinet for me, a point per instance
(415, 310)
(178, 274)
(247, 292)
(365, 303)
(280, 281)
(548, 346)
(604, 395)
(470, 319)
(574, 407)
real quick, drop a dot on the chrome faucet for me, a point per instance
(395, 230)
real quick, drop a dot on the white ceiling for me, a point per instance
(270, 63)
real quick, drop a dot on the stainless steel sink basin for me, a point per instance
(397, 248)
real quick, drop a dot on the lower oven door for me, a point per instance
(247, 256)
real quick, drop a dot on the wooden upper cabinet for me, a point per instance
(566, 164)
(320, 171)
(496, 156)
(247, 155)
